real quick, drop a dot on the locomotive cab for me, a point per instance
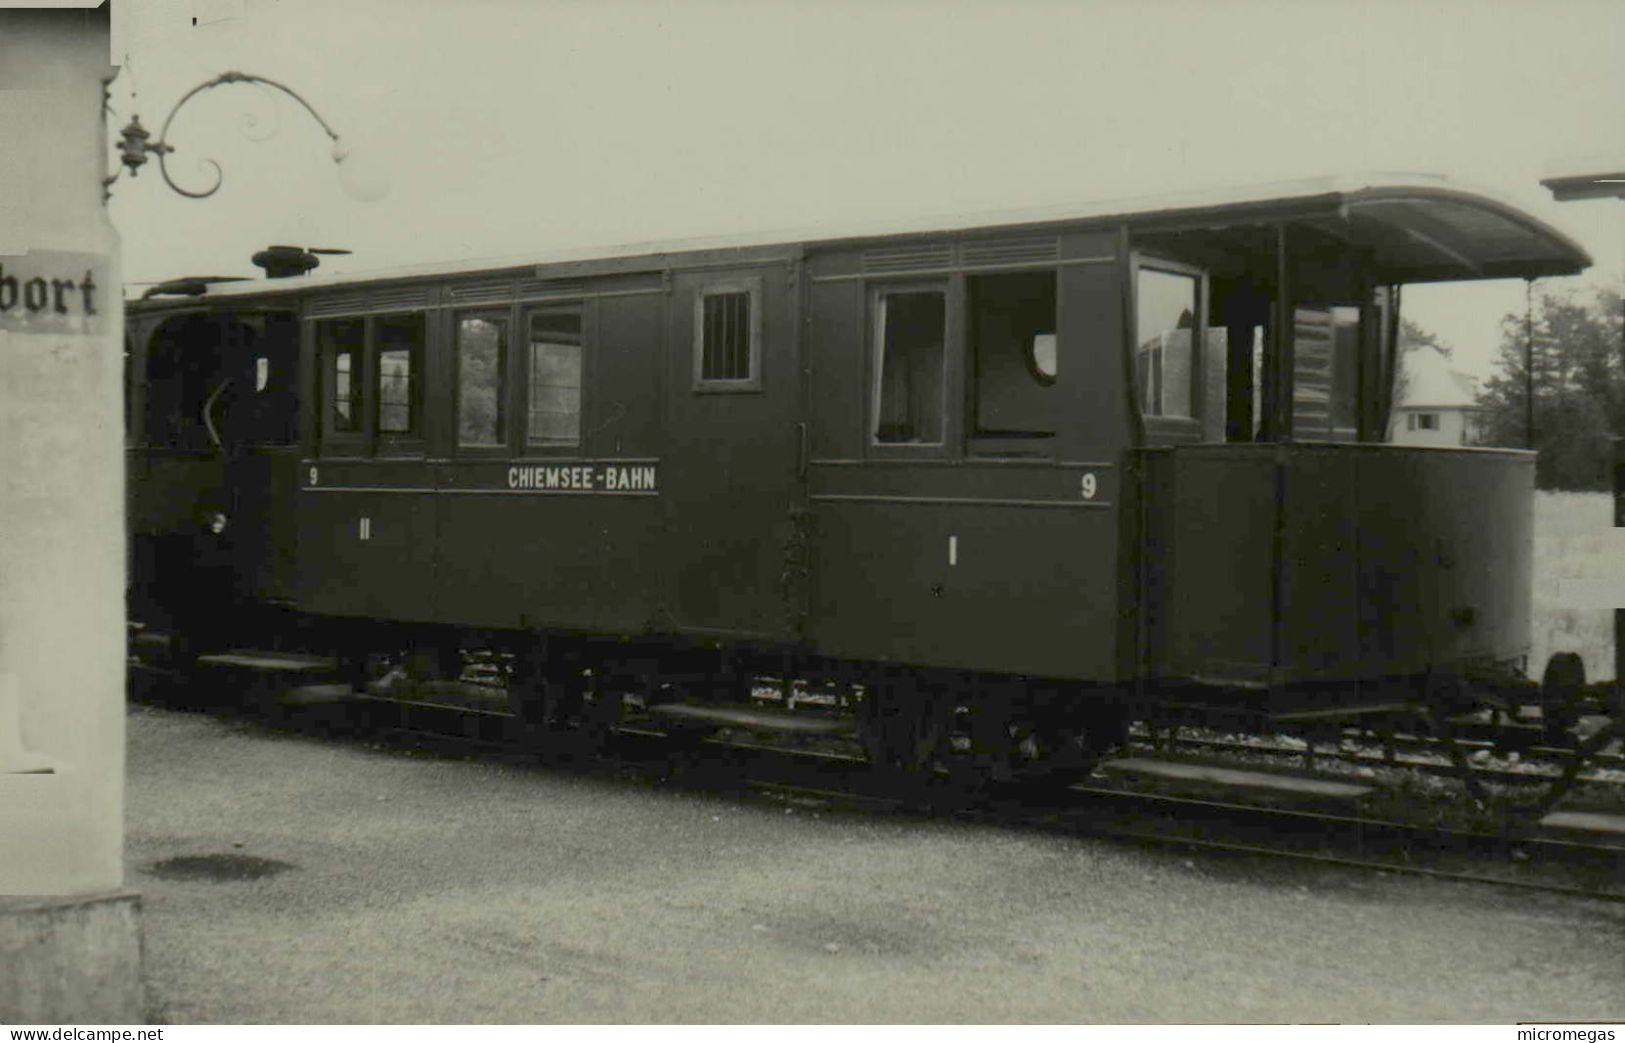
(213, 416)
(1288, 556)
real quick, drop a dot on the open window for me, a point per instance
(482, 359)
(220, 379)
(1012, 329)
(1180, 377)
(910, 335)
(1168, 312)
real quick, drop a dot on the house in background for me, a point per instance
(1434, 404)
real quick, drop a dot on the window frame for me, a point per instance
(994, 444)
(369, 439)
(951, 439)
(410, 442)
(506, 316)
(355, 442)
(1157, 426)
(527, 448)
(752, 286)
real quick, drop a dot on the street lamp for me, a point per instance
(1567, 187)
(135, 144)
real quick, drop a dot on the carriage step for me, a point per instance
(1236, 778)
(142, 639)
(681, 714)
(1586, 822)
(1335, 714)
(270, 662)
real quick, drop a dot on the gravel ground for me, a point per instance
(434, 890)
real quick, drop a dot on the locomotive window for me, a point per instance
(400, 347)
(482, 350)
(728, 336)
(1042, 358)
(1168, 307)
(340, 342)
(910, 331)
(1012, 331)
(554, 410)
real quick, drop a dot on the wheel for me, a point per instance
(917, 742)
(1561, 687)
(1062, 755)
(546, 698)
(599, 710)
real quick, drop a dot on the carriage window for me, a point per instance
(482, 349)
(910, 330)
(1169, 318)
(340, 342)
(400, 347)
(554, 416)
(727, 337)
(1012, 331)
(1325, 340)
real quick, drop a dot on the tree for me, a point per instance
(1578, 351)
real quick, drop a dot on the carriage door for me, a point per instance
(730, 481)
(258, 423)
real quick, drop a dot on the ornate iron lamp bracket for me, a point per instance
(135, 143)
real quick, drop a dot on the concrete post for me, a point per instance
(69, 931)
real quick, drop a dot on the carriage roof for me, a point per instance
(1407, 228)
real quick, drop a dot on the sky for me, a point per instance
(501, 127)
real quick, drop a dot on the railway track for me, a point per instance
(1539, 765)
(1101, 806)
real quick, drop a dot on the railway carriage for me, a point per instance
(1005, 483)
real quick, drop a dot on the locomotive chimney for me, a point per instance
(280, 262)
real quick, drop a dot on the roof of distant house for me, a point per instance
(1431, 383)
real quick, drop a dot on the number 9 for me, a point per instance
(1087, 486)
(313, 476)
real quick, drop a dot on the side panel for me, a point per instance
(166, 490)
(1210, 529)
(167, 487)
(264, 524)
(1321, 514)
(1018, 578)
(1446, 545)
(557, 539)
(575, 559)
(1319, 563)
(1006, 560)
(366, 539)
